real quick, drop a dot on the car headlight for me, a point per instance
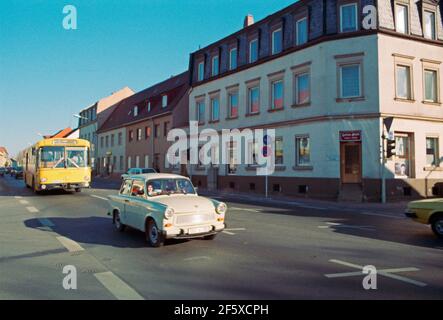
(221, 208)
(169, 213)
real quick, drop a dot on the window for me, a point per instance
(303, 151)
(350, 81)
(107, 141)
(121, 164)
(253, 51)
(403, 155)
(137, 161)
(215, 66)
(112, 140)
(402, 18)
(431, 94)
(432, 152)
(149, 106)
(131, 135)
(135, 111)
(146, 161)
(233, 59)
(129, 163)
(277, 41)
(233, 105)
(232, 157)
(215, 109)
(201, 112)
(277, 95)
(165, 128)
(102, 142)
(139, 134)
(279, 150)
(201, 71)
(164, 101)
(156, 130)
(348, 17)
(429, 25)
(301, 31)
(254, 150)
(403, 75)
(120, 138)
(254, 100)
(302, 89)
(147, 132)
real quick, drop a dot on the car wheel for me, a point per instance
(117, 222)
(210, 237)
(154, 236)
(437, 226)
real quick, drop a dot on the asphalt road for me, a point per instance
(268, 252)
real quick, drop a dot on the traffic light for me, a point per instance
(390, 148)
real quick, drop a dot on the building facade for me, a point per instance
(4, 157)
(135, 134)
(92, 117)
(326, 84)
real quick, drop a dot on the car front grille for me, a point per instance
(188, 219)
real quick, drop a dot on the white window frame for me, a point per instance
(164, 101)
(250, 50)
(433, 26)
(201, 71)
(404, 65)
(273, 83)
(297, 40)
(407, 22)
(273, 40)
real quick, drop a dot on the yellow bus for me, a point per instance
(57, 164)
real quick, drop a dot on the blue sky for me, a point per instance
(48, 73)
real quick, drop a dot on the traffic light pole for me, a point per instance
(383, 164)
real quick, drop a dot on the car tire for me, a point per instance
(210, 237)
(154, 237)
(117, 222)
(437, 226)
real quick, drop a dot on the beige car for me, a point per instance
(166, 206)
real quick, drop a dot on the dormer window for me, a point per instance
(402, 18)
(164, 101)
(135, 111)
(215, 66)
(301, 31)
(277, 41)
(348, 17)
(201, 71)
(429, 25)
(233, 59)
(149, 106)
(253, 51)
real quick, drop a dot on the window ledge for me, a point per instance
(213, 121)
(279, 167)
(276, 110)
(356, 99)
(438, 104)
(404, 100)
(301, 105)
(252, 114)
(303, 168)
(232, 118)
(434, 168)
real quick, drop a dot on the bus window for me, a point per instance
(52, 157)
(77, 157)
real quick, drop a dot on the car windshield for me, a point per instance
(158, 187)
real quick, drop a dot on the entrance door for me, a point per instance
(351, 168)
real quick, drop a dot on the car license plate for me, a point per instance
(199, 230)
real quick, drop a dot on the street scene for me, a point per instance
(284, 150)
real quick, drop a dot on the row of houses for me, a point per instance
(314, 74)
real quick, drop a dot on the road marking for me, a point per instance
(69, 244)
(339, 225)
(24, 202)
(244, 209)
(312, 207)
(381, 215)
(197, 258)
(32, 209)
(230, 233)
(18, 197)
(98, 197)
(117, 287)
(389, 273)
(46, 222)
(235, 229)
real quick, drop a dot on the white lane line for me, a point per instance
(24, 202)
(32, 209)
(117, 286)
(244, 209)
(381, 215)
(98, 197)
(197, 258)
(46, 222)
(18, 197)
(69, 244)
(235, 229)
(230, 233)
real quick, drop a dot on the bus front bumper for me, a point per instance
(65, 186)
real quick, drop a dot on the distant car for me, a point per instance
(429, 212)
(18, 173)
(136, 171)
(8, 170)
(13, 171)
(2, 171)
(166, 206)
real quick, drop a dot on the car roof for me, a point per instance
(151, 176)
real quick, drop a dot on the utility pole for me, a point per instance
(387, 122)
(383, 164)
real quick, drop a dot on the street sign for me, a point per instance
(349, 136)
(388, 123)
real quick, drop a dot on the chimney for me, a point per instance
(249, 20)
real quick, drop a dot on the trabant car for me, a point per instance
(165, 206)
(429, 211)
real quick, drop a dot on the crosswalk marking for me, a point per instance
(69, 244)
(32, 209)
(117, 286)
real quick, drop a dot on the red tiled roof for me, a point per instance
(61, 134)
(3, 150)
(122, 115)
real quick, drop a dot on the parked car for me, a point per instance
(135, 171)
(2, 171)
(18, 173)
(166, 206)
(429, 212)
(12, 172)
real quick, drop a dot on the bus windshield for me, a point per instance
(61, 157)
